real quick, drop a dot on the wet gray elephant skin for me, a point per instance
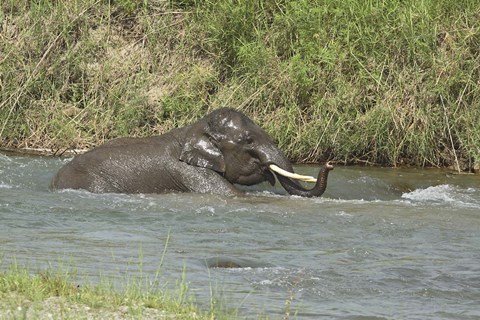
(209, 156)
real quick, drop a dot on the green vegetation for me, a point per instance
(57, 295)
(389, 82)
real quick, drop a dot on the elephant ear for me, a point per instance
(200, 151)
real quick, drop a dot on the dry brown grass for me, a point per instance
(366, 84)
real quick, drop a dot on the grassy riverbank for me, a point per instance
(389, 82)
(59, 295)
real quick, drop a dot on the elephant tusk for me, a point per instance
(288, 174)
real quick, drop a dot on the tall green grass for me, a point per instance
(390, 82)
(63, 294)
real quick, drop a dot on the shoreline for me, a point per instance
(43, 152)
(68, 152)
(57, 294)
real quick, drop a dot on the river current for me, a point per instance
(381, 243)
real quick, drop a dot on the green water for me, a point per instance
(381, 243)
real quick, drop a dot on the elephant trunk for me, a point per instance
(294, 188)
(277, 158)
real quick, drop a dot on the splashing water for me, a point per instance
(445, 194)
(381, 243)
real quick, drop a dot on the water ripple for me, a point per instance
(382, 243)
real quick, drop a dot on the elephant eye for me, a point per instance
(244, 138)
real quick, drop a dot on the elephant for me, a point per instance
(214, 155)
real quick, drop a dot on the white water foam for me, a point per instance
(5, 186)
(445, 193)
(441, 193)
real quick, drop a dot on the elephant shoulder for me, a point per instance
(123, 141)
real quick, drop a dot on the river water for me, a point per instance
(380, 244)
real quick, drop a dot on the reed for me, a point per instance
(380, 82)
(61, 292)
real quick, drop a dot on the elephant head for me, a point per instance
(229, 143)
